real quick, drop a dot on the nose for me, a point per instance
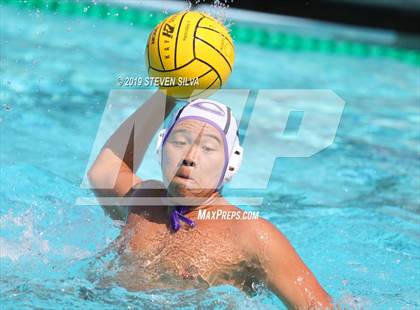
(190, 159)
(188, 163)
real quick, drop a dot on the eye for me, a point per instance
(178, 142)
(207, 148)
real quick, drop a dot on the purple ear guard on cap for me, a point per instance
(219, 116)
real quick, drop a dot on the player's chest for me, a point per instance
(200, 248)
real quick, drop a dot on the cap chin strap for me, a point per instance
(178, 213)
(232, 168)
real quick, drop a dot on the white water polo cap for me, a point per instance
(220, 117)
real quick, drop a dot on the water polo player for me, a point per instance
(167, 245)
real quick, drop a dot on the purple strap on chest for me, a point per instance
(177, 216)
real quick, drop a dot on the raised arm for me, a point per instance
(285, 273)
(113, 172)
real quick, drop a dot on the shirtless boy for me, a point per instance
(199, 152)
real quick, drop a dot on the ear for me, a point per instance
(234, 162)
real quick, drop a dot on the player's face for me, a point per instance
(193, 159)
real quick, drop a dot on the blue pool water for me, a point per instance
(351, 211)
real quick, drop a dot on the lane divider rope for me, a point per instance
(240, 33)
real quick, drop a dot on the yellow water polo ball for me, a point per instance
(189, 54)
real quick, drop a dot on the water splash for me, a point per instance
(30, 242)
(349, 301)
(189, 3)
(218, 9)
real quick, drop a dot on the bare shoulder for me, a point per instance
(149, 189)
(258, 227)
(259, 234)
(264, 226)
